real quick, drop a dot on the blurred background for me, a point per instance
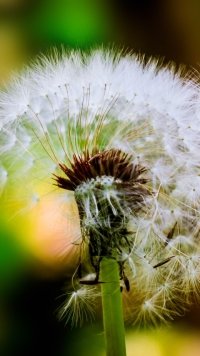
(32, 275)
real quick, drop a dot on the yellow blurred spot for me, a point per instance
(49, 230)
(142, 345)
(55, 230)
(12, 51)
(189, 348)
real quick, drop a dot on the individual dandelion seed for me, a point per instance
(79, 306)
(121, 137)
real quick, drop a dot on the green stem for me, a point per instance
(112, 308)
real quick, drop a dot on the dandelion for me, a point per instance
(121, 137)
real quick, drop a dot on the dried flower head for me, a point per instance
(122, 137)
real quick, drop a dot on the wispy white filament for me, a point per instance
(79, 306)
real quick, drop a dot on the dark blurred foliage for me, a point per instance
(33, 328)
(163, 28)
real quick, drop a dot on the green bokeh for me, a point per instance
(79, 23)
(13, 259)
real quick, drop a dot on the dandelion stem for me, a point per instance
(112, 308)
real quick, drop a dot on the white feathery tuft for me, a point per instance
(67, 104)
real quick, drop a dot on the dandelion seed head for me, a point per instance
(120, 136)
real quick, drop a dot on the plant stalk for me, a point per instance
(112, 308)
